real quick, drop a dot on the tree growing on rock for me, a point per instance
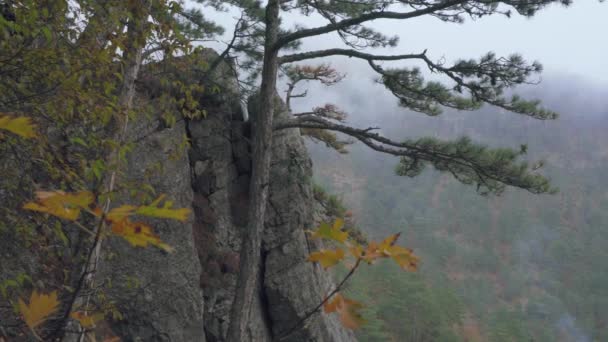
(271, 47)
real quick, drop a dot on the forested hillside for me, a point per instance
(518, 267)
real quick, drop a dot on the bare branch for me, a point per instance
(227, 50)
(348, 53)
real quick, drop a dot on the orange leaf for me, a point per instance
(87, 321)
(112, 339)
(405, 258)
(20, 125)
(61, 204)
(371, 252)
(40, 307)
(138, 234)
(332, 305)
(97, 211)
(356, 251)
(348, 310)
(325, 231)
(376, 250)
(327, 258)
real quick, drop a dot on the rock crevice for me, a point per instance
(289, 287)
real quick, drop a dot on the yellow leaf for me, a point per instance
(20, 125)
(155, 210)
(138, 234)
(327, 258)
(120, 213)
(338, 224)
(85, 320)
(152, 210)
(348, 310)
(40, 307)
(388, 242)
(325, 231)
(61, 204)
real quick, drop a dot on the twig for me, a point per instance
(318, 307)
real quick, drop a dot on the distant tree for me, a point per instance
(270, 47)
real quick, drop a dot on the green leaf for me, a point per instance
(78, 141)
(47, 33)
(60, 234)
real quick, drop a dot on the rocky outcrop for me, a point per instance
(290, 287)
(187, 295)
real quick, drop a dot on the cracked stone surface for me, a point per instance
(290, 287)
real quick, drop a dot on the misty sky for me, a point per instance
(567, 41)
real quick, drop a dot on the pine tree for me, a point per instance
(467, 85)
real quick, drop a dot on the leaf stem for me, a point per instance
(327, 298)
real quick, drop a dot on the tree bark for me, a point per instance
(250, 254)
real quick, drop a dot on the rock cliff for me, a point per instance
(187, 295)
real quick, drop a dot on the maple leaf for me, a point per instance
(138, 234)
(388, 242)
(325, 231)
(376, 250)
(152, 210)
(371, 252)
(61, 204)
(19, 125)
(86, 320)
(327, 258)
(40, 307)
(405, 258)
(348, 310)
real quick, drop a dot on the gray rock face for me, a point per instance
(157, 292)
(290, 287)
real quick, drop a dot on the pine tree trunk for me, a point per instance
(250, 254)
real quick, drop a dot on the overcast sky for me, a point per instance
(567, 41)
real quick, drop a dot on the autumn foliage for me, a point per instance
(354, 253)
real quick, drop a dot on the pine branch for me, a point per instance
(343, 24)
(490, 169)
